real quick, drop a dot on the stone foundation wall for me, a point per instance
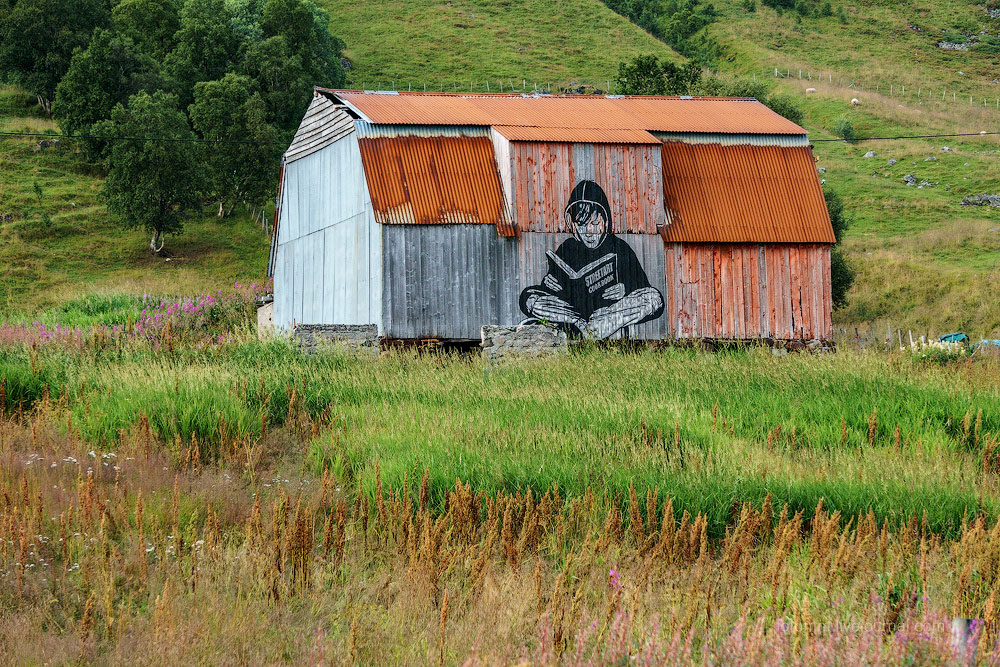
(362, 337)
(528, 340)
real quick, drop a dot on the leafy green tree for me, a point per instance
(206, 47)
(229, 112)
(646, 75)
(842, 276)
(106, 73)
(283, 82)
(38, 37)
(306, 29)
(152, 184)
(150, 24)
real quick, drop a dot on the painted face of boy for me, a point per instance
(591, 229)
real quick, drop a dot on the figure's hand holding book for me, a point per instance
(582, 284)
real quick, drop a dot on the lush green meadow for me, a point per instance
(170, 494)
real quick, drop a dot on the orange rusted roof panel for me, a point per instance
(575, 135)
(595, 112)
(743, 194)
(435, 180)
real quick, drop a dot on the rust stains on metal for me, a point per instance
(607, 112)
(743, 194)
(435, 180)
(576, 135)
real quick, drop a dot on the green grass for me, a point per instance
(462, 44)
(708, 430)
(83, 251)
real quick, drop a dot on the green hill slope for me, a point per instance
(460, 44)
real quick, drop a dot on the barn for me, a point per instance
(649, 218)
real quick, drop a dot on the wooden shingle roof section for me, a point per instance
(323, 123)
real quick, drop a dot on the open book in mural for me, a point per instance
(595, 285)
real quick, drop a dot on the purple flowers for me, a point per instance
(206, 318)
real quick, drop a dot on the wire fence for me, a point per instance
(926, 94)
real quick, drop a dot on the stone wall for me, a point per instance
(361, 337)
(527, 340)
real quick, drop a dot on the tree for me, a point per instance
(106, 73)
(153, 183)
(228, 112)
(151, 24)
(37, 39)
(281, 79)
(646, 75)
(306, 29)
(841, 275)
(206, 47)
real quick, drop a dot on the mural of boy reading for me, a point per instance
(594, 285)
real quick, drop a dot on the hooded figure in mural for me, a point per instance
(595, 285)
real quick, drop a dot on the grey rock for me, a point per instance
(892, 161)
(981, 200)
(869, 154)
(946, 149)
(356, 337)
(994, 230)
(526, 340)
(910, 179)
(930, 159)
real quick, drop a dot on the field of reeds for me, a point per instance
(173, 489)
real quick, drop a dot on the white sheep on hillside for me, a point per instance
(855, 101)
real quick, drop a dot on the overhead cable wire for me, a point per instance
(118, 138)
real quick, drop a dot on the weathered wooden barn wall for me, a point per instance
(748, 290)
(542, 175)
(447, 281)
(328, 266)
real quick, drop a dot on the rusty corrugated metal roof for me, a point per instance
(575, 135)
(743, 194)
(606, 112)
(435, 180)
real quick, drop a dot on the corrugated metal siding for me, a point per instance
(576, 135)
(447, 281)
(328, 261)
(745, 291)
(665, 114)
(442, 180)
(743, 194)
(648, 248)
(785, 140)
(544, 174)
(322, 124)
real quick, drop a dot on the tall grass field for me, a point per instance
(173, 488)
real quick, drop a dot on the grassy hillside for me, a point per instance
(441, 44)
(80, 250)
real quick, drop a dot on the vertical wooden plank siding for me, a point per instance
(746, 291)
(544, 174)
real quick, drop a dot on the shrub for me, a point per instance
(844, 129)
